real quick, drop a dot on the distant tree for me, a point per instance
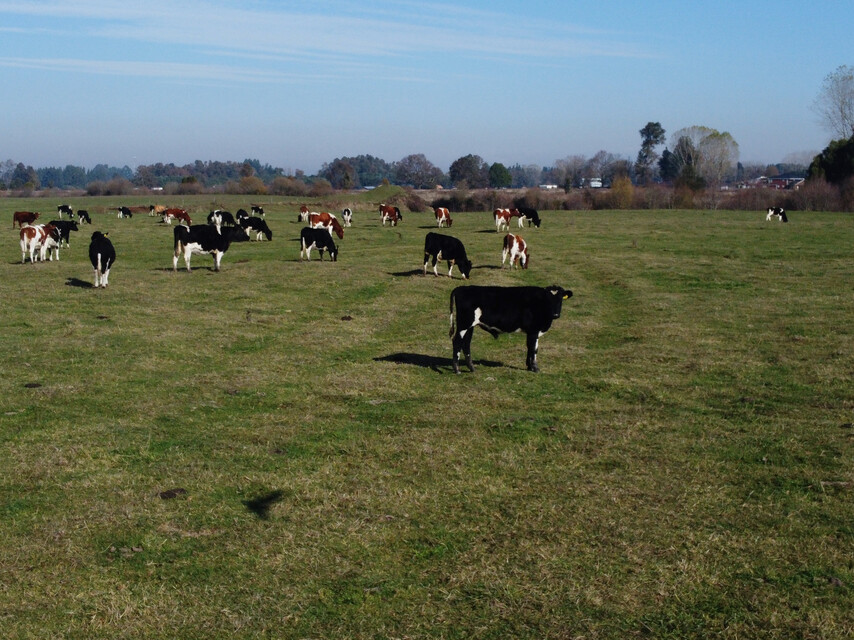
(499, 176)
(835, 163)
(24, 177)
(701, 156)
(719, 154)
(471, 170)
(834, 104)
(246, 169)
(340, 174)
(528, 176)
(418, 171)
(74, 176)
(570, 172)
(288, 186)
(652, 135)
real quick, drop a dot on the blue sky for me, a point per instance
(296, 84)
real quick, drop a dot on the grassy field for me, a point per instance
(281, 449)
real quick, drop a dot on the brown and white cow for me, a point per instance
(325, 220)
(24, 217)
(390, 214)
(303, 213)
(516, 249)
(43, 238)
(177, 214)
(156, 209)
(502, 218)
(443, 217)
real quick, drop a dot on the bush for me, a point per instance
(284, 186)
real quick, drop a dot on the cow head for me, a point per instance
(235, 234)
(558, 295)
(465, 268)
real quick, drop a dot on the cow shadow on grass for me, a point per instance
(436, 363)
(77, 282)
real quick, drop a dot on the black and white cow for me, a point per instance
(83, 216)
(124, 212)
(205, 238)
(241, 214)
(319, 239)
(221, 218)
(257, 227)
(441, 247)
(102, 255)
(503, 310)
(347, 217)
(529, 215)
(65, 228)
(64, 208)
(258, 210)
(776, 212)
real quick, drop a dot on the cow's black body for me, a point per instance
(441, 247)
(503, 310)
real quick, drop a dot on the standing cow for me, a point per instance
(776, 212)
(516, 249)
(443, 217)
(102, 255)
(503, 310)
(441, 247)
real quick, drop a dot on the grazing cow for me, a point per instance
(204, 238)
(257, 210)
(503, 310)
(124, 212)
(502, 218)
(347, 216)
(102, 255)
(776, 212)
(443, 217)
(324, 220)
(64, 208)
(441, 247)
(24, 217)
(65, 228)
(256, 226)
(83, 216)
(221, 218)
(177, 214)
(390, 214)
(156, 209)
(316, 239)
(516, 249)
(303, 213)
(43, 238)
(529, 215)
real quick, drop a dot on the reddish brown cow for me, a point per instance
(390, 214)
(303, 214)
(24, 217)
(42, 238)
(326, 221)
(502, 218)
(178, 214)
(443, 216)
(516, 249)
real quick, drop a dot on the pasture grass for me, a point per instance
(281, 449)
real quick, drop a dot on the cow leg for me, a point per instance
(217, 258)
(462, 343)
(533, 345)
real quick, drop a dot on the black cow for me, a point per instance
(503, 310)
(256, 226)
(83, 215)
(319, 239)
(530, 215)
(102, 255)
(205, 238)
(221, 218)
(241, 215)
(124, 212)
(442, 247)
(64, 208)
(258, 210)
(65, 228)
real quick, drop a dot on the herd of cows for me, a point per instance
(494, 309)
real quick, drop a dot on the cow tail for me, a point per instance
(451, 313)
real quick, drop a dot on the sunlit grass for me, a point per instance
(681, 467)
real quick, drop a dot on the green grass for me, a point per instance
(682, 467)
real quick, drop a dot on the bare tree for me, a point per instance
(834, 104)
